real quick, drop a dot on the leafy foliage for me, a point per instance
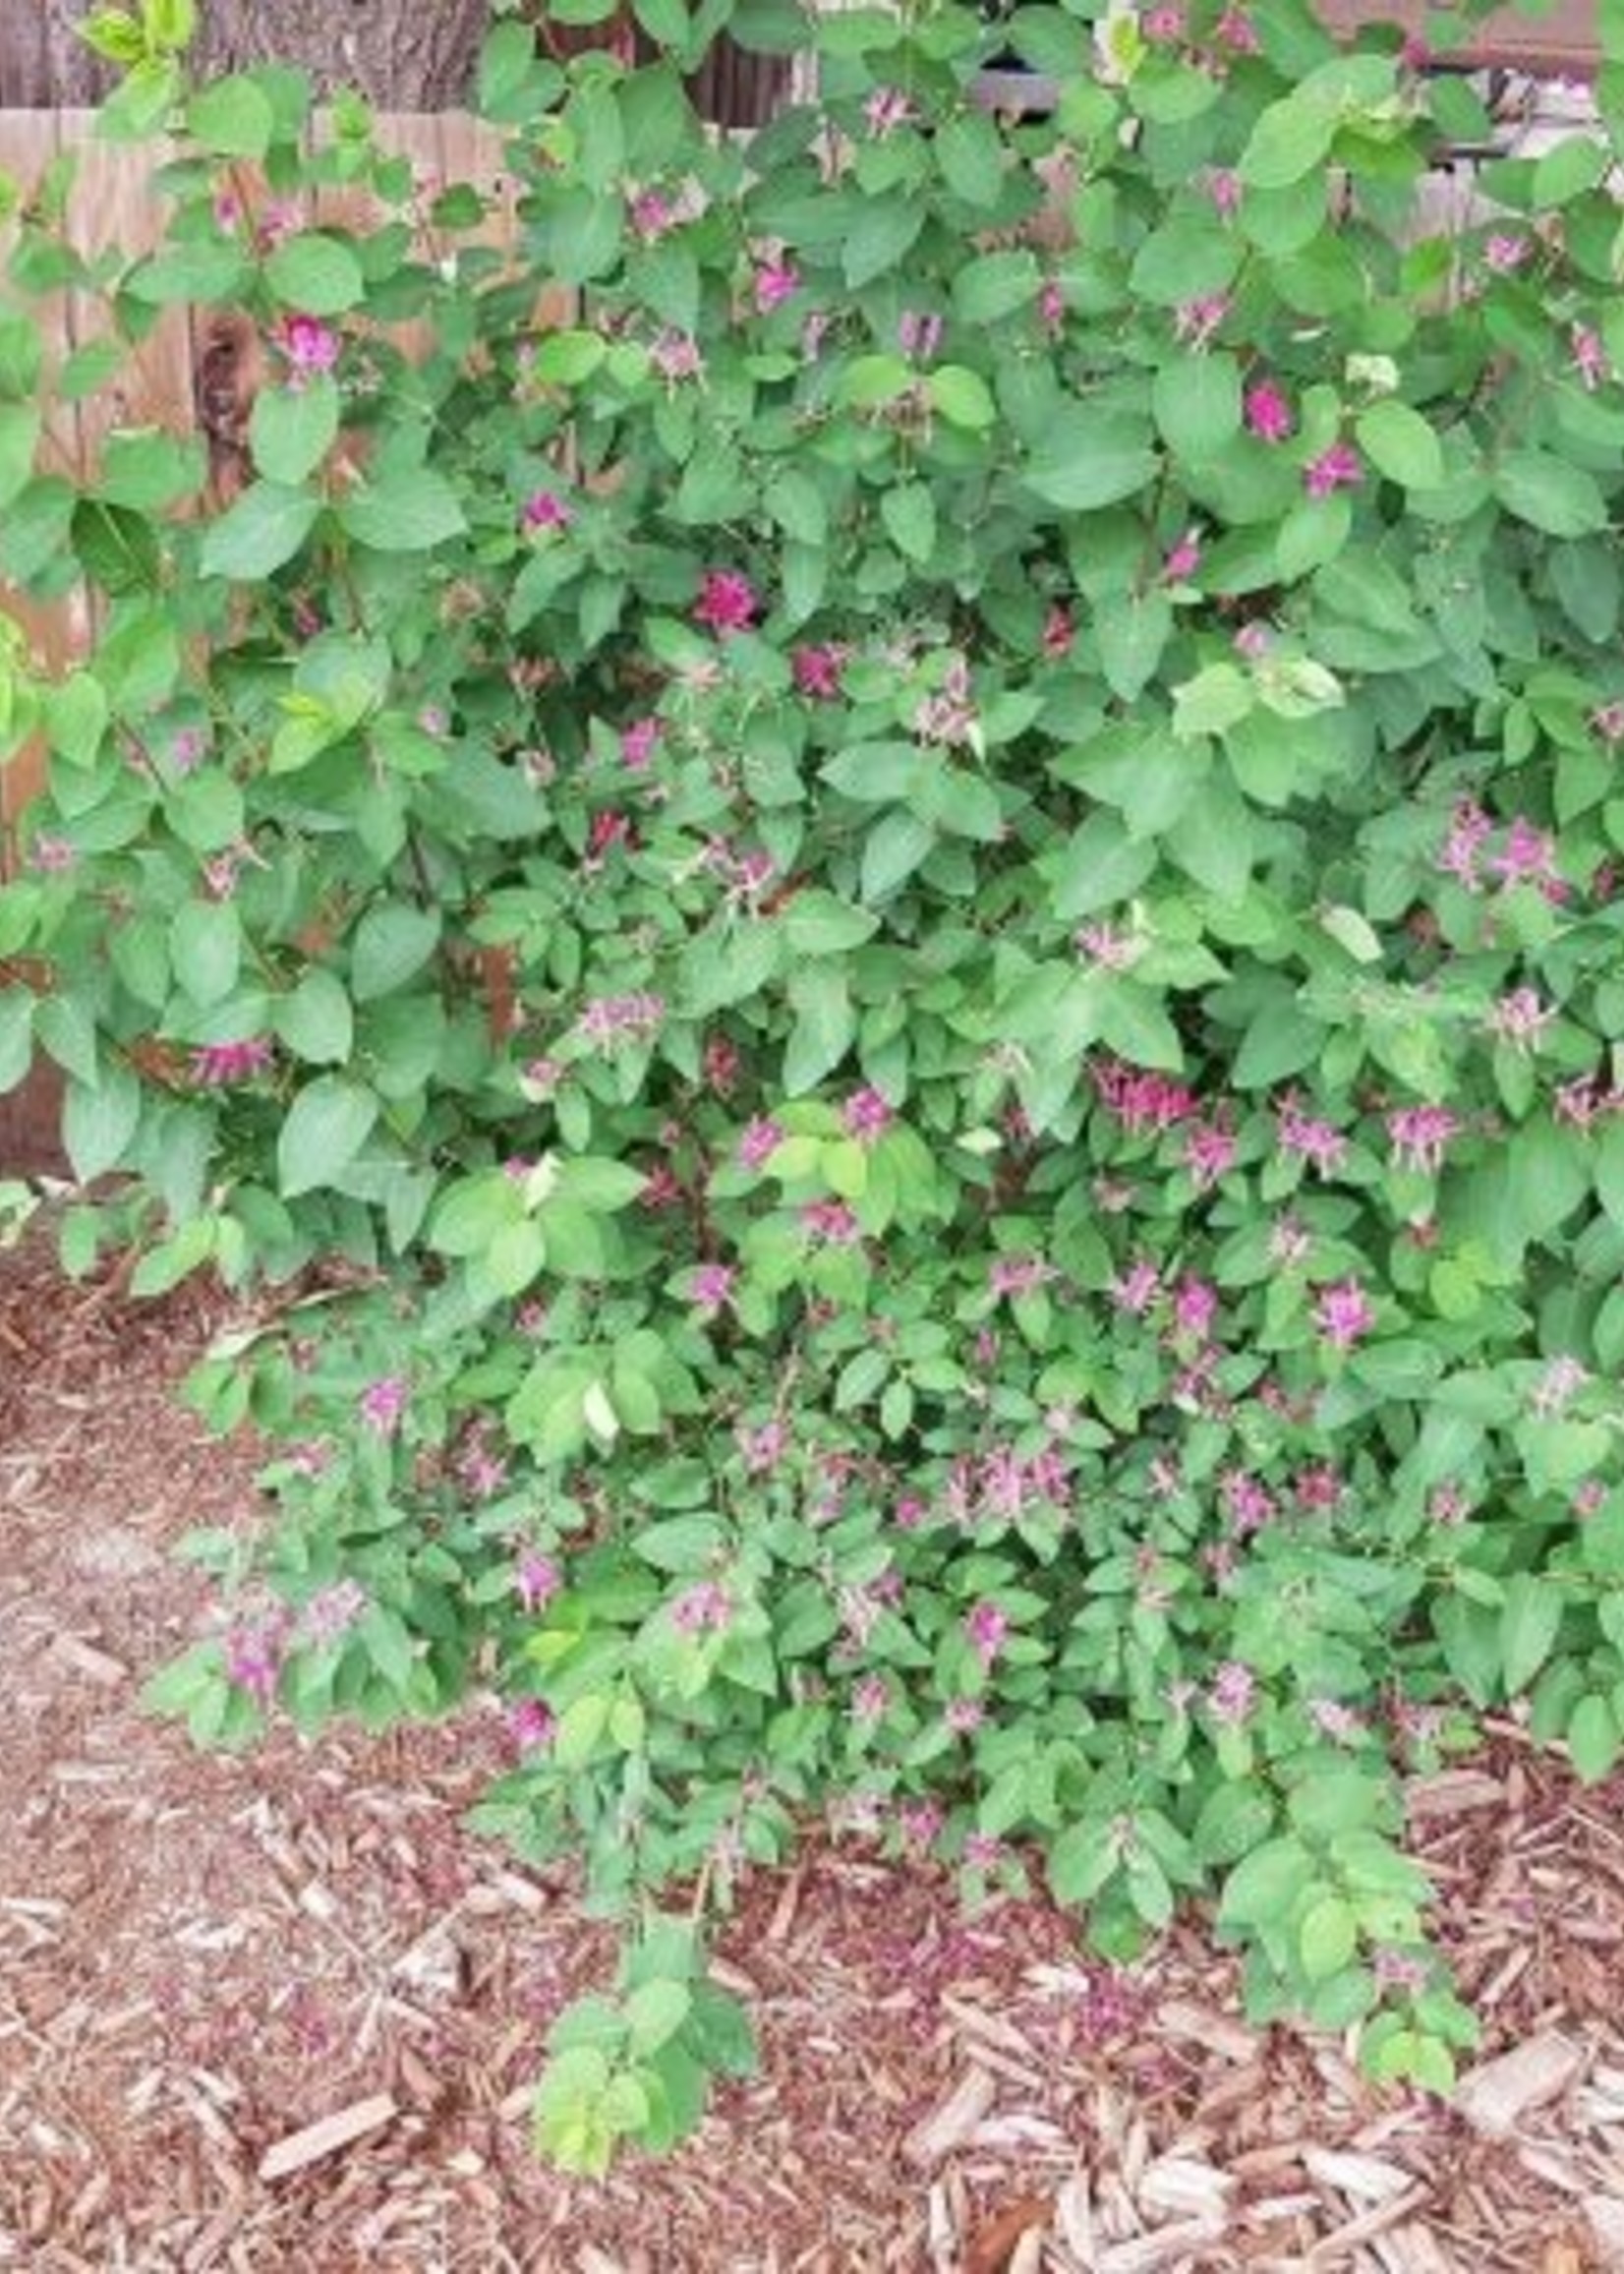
(921, 919)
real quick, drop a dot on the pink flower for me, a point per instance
(831, 1223)
(537, 1579)
(1194, 1306)
(1183, 560)
(1247, 1503)
(1343, 1313)
(1504, 253)
(887, 109)
(544, 509)
(870, 1699)
(638, 744)
(1142, 1101)
(1164, 24)
(330, 1614)
(727, 602)
(531, 1723)
(918, 336)
(1469, 828)
(1590, 357)
(1051, 307)
(540, 1078)
(1268, 415)
(1059, 632)
(965, 1716)
(703, 1608)
(382, 1403)
(675, 356)
(1136, 1288)
(189, 749)
(1418, 1134)
(1225, 191)
(712, 1286)
(1233, 1693)
(774, 282)
(650, 216)
(254, 1654)
(983, 1851)
(1014, 1275)
(1520, 1018)
(216, 1064)
(1336, 1720)
(52, 855)
(1607, 720)
(1527, 856)
(1196, 321)
(985, 1629)
(720, 1065)
(758, 1142)
(866, 1116)
(1210, 1155)
(308, 344)
(611, 1019)
(1338, 468)
(1252, 643)
(1235, 30)
(816, 671)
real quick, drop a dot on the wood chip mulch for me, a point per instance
(279, 2012)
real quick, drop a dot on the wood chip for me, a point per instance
(1159, 2253)
(1452, 1793)
(1497, 2094)
(326, 2136)
(951, 2124)
(1604, 2217)
(1368, 2177)
(1177, 2186)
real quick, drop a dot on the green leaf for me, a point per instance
(293, 428)
(97, 1123)
(1551, 493)
(16, 1036)
(315, 274)
(1593, 1739)
(819, 924)
(961, 396)
(1530, 1619)
(1195, 401)
(327, 1125)
(234, 117)
(826, 1026)
(656, 2012)
(19, 429)
(205, 948)
(315, 1020)
(260, 533)
(993, 286)
(1090, 457)
(118, 548)
(974, 157)
(404, 513)
(393, 943)
(882, 232)
(1328, 1938)
(892, 850)
(909, 515)
(1289, 141)
(1401, 444)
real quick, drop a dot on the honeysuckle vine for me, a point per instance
(902, 951)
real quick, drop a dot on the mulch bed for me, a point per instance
(199, 1957)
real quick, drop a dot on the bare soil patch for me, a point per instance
(199, 1957)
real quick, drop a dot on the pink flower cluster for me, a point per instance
(609, 1020)
(1140, 1101)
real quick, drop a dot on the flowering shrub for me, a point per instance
(922, 919)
